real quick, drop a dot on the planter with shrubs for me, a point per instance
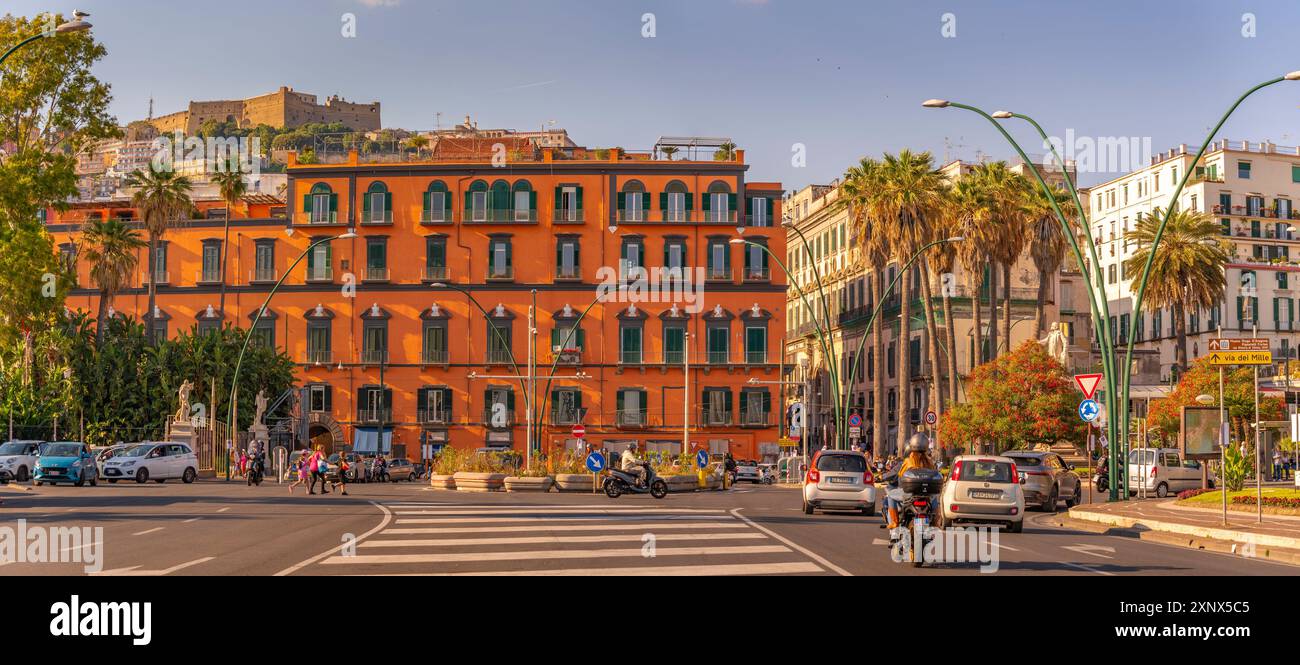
(481, 472)
(442, 473)
(532, 479)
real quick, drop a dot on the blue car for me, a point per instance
(65, 462)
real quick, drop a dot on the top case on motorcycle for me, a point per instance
(921, 481)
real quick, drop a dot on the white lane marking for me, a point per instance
(134, 571)
(652, 571)
(525, 555)
(805, 551)
(542, 540)
(554, 518)
(192, 519)
(141, 533)
(629, 526)
(224, 509)
(1088, 568)
(1091, 550)
(307, 562)
(563, 511)
(82, 546)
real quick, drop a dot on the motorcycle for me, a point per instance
(916, 492)
(1101, 480)
(620, 482)
(256, 470)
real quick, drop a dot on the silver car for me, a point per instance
(1048, 479)
(839, 480)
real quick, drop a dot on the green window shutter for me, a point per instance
(388, 202)
(532, 200)
(469, 203)
(334, 207)
(622, 201)
(690, 202)
(767, 401)
(559, 197)
(329, 398)
(645, 201)
(1239, 304)
(663, 201)
(422, 400)
(509, 254)
(365, 205)
(579, 198)
(705, 399)
(306, 203)
(731, 201)
(619, 401)
(510, 400)
(744, 400)
(770, 209)
(428, 196)
(726, 399)
(707, 202)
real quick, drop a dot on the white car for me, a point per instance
(102, 455)
(750, 471)
(18, 459)
(984, 489)
(839, 480)
(158, 462)
(1161, 471)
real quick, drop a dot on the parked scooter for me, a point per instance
(620, 482)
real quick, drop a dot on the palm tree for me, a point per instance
(163, 199)
(232, 186)
(725, 152)
(1047, 244)
(111, 248)
(907, 200)
(1007, 192)
(417, 143)
(971, 213)
(1187, 270)
(669, 151)
(873, 247)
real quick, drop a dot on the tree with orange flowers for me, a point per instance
(1202, 378)
(1020, 400)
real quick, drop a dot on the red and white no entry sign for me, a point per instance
(579, 431)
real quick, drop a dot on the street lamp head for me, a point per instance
(77, 25)
(350, 234)
(1002, 115)
(1293, 76)
(737, 241)
(935, 103)
(439, 285)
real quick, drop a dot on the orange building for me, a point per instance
(383, 334)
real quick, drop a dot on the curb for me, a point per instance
(1243, 550)
(1147, 525)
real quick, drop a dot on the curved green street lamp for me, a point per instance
(1099, 307)
(837, 386)
(546, 390)
(231, 426)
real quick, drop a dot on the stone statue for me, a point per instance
(183, 413)
(261, 408)
(1057, 346)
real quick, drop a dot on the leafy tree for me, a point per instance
(1203, 379)
(111, 247)
(232, 186)
(51, 107)
(163, 199)
(1019, 400)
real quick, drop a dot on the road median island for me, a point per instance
(1188, 527)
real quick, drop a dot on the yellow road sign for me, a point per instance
(1241, 358)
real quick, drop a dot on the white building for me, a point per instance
(1250, 188)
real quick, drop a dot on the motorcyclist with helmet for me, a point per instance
(633, 465)
(918, 457)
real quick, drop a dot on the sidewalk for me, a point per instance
(1199, 527)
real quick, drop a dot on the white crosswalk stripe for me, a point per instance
(431, 538)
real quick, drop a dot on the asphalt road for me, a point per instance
(216, 528)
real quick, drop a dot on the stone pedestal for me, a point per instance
(259, 432)
(182, 433)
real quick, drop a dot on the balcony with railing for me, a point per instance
(1253, 211)
(718, 273)
(263, 276)
(490, 415)
(434, 357)
(674, 357)
(435, 217)
(374, 415)
(758, 274)
(755, 418)
(376, 274)
(433, 416)
(713, 417)
(567, 216)
(433, 274)
(719, 357)
(568, 272)
(377, 217)
(374, 356)
(565, 416)
(630, 418)
(318, 356)
(496, 356)
(719, 216)
(566, 356)
(756, 356)
(500, 216)
(158, 277)
(758, 221)
(500, 273)
(630, 357)
(208, 276)
(320, 273)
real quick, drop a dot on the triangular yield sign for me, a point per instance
(1088, 384)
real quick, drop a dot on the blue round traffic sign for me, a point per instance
(855, 420)
(702, 459)
(1089, 410)
(595, 462)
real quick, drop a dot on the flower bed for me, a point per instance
(1269, 501)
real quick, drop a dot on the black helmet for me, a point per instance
(918, 444)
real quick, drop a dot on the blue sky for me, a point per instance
(844, 78)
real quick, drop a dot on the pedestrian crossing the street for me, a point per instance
(519, 538)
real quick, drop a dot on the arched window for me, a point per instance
(437, 205)
(500, 201)
(720, 203)
(321, 204)
(525, 201)
(476, 201)
(675, 202)
(377, 204)
(633, 203)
